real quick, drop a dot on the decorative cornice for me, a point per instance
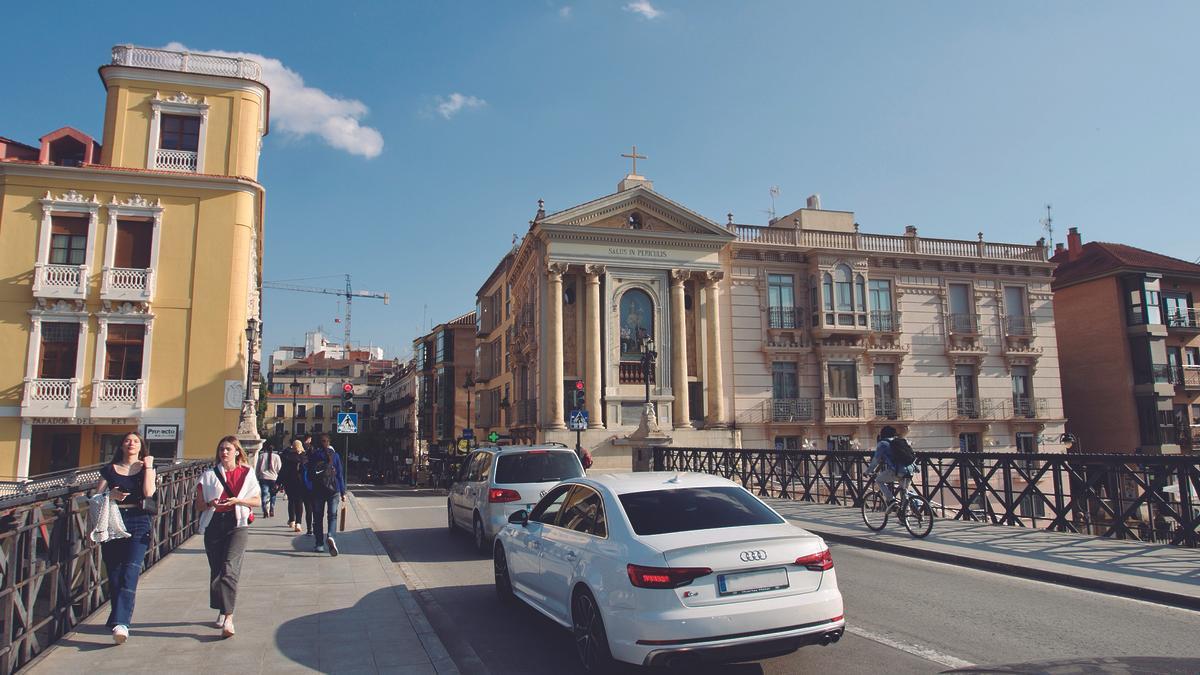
(128, 177)
(71, 197)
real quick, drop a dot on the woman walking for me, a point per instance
(128, 478)
(228, 493)
(292, 478)
(267, 471)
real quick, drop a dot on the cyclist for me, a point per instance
(887, 469)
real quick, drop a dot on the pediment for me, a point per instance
(657, 213)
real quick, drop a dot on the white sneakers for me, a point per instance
(227, 630)
(220, 622)
(333, 550)
(120, 634)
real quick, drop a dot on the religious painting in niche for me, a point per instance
(637, 323)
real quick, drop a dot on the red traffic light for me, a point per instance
(579, 385)
(347, 387)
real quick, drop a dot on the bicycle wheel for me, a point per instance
(917, 517)
(874, 510)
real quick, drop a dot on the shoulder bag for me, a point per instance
(221, 480)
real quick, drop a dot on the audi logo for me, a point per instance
(751, 556)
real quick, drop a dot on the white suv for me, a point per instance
(499, 481)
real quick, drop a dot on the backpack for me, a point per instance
(322, 474)
(901, 452)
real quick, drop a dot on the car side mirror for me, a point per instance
(519, 518)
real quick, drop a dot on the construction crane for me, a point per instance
(349, 293)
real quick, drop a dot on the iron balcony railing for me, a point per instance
(885, 321)
(890, 408)
(1141, 497)
(785, 317)
(1187, 377)
(962, 324)
(792, 410)
(51, 573)
(1018, 325)
(1183, 319)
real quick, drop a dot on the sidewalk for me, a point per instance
(297, 611)
(1158, 573)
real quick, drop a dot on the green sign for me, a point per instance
(493, 437)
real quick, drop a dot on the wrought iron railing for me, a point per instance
(51, 573)
(885, 321)
(792, 410)
(890, 408)
(785, 317)
(962, 324)
(1138, 497)
(1185, 319)
(1018, 325)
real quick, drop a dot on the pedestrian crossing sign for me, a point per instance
(347, 423)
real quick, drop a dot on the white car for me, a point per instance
(495, 482)
(665, 569)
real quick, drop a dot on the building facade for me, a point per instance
(304, 395)
(1130, 336)
(493, 379)
(135, 267)
(444, 358)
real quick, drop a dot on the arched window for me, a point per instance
(637, 323)
(860, 299)
(841, 287)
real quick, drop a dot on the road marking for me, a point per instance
(406, 508)
(916, 650)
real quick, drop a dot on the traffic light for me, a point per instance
(579, 400)
(347, 397)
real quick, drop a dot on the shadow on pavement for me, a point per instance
(455, 547)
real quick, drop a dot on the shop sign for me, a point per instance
(161, 432)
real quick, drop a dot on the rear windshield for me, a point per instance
(702, 508)
(537, 467)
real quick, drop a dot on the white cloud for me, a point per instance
(644, 8)
(300, 110)
(449, 106)
(565, 11)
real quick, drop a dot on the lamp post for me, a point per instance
(248, 424)
(295, 390)
(648, 358)
(468, 383)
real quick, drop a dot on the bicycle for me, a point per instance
(914, 511)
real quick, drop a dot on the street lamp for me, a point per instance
(468, 383)
(648, 358)
(295, 390)
(251, 333)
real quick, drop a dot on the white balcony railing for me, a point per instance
(50, 397)
(126, 283)
(186, 62)
(60, 281)
(117, 397)
(175, 160)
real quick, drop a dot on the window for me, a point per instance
(179, 132)
(302, 410)
(320, 411)
(60, 342)
(965, 391)
(123, 351)
(689, 509)
(68, 240)
(788, 443)
(882, 316)
(318, 428)
(1142, 300)
(1022, 401)
(845, 297)
(547, 510)
(785, 382)
(537, 466)
(637, 323)
(584, 512)
(279, 428)
(1178, 311)
(1016, 312)
(969, 441)
(781, 301)
(300, 428)
(439, 340)
(962, 314)
(279, 410)
(885, 391)
(132, 250)
(843, 380)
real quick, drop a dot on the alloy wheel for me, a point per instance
(587, 627)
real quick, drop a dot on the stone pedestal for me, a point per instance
(643, 440)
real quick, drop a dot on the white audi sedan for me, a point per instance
(667, 568)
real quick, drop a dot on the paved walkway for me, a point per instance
(1159, 573)
(298, 611)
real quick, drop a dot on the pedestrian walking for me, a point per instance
(129, 479)
(326, 483)
(291, 477)
(228, 493)
(267, 471)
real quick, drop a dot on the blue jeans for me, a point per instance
(268, 496)
(123, 560)
(322, 507)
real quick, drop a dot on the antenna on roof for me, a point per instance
(1048, 228)
(774, 193)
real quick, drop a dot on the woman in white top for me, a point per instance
(228, 493)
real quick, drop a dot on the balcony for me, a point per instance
(1187, 377)
(843, 409)
(186, 62)
(890, 408)
(1182, 320)
(792, 410)
(630, 372)
(1018, 326)
(883, 321)
(1027, 407)
(118, 398)
(962, 324)
(175, 160)
(785, 317)
(126, 284)
(50, 397)
(60, 281)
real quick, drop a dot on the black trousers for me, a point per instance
(224, 542)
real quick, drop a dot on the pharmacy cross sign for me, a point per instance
(635, 157)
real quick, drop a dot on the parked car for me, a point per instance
(495, 482)
(665, 569)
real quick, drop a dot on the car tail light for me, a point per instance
(501, 496)
(664, 577)
(817, 562)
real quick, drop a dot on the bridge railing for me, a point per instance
(52, 576)
(1141, 497)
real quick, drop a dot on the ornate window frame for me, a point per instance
(177, 104)
(74, 203)
(136, 207)
(125, 314)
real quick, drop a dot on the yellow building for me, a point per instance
(131, 267)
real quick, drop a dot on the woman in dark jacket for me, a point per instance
(291, 478)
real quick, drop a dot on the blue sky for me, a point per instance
(429, 130)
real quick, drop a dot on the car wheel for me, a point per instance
(478, 534)
(591, 640)
(450, 526)
(504, 589)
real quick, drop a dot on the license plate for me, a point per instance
(752, 582)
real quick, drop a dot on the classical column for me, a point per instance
(554, 347)
(713, 376)
(591, 363)
(679, 382)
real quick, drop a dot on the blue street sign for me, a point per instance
(468, 434)
(347, 423)
(578, 420)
